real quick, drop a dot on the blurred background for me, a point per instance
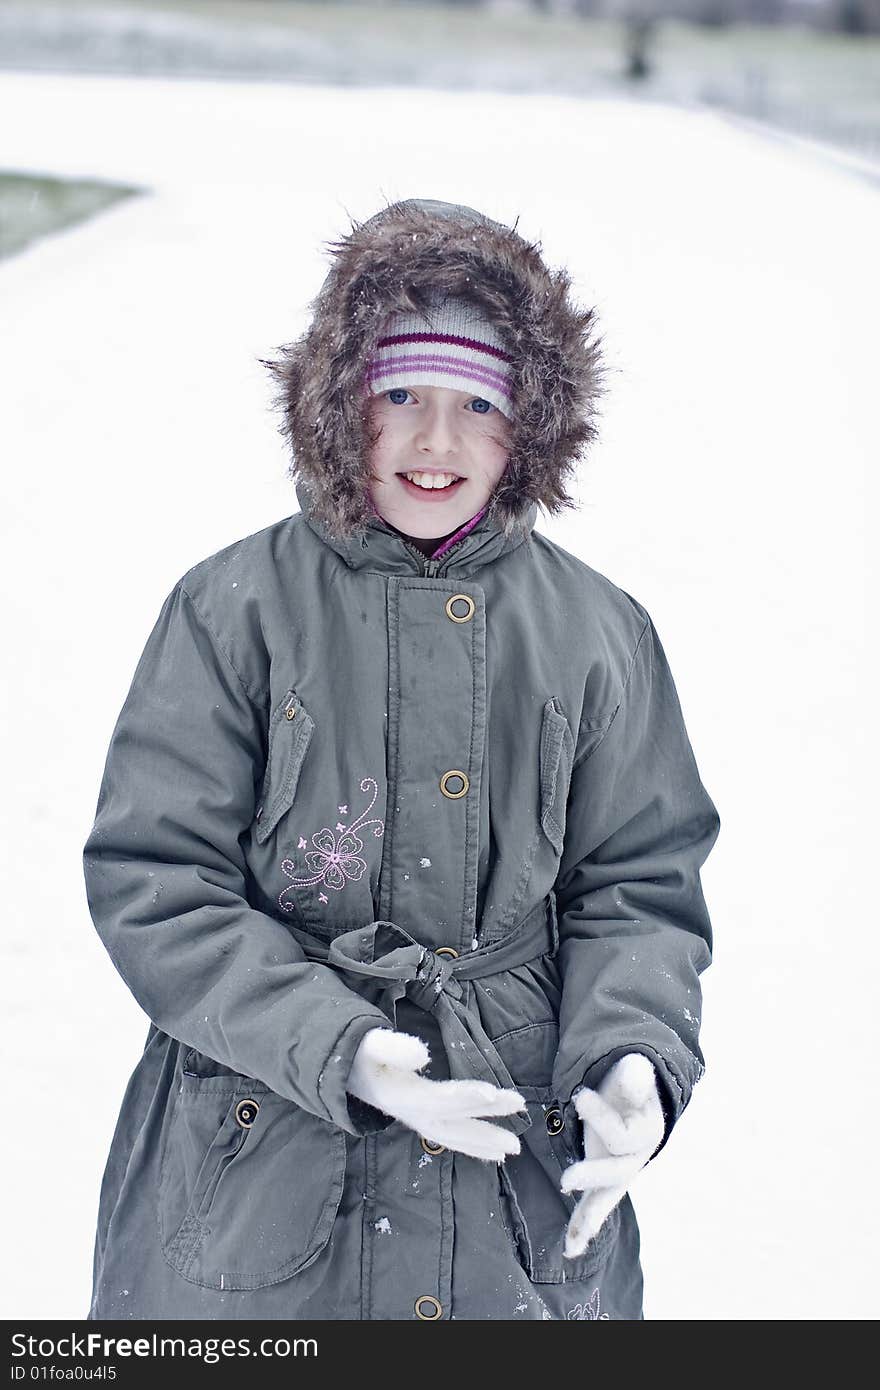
(707, 171)
(810, 68)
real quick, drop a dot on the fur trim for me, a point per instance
(385, 265)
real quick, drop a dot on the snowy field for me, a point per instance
(737, 286)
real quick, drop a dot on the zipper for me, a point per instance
(437, 564)
(431, 567)
(427, 566)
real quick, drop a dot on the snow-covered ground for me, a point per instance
(736, 281)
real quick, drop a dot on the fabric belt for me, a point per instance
(389, 963)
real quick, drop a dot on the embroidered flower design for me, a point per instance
(588, 1312)
(336, 857)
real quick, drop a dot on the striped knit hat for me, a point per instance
(452, 345)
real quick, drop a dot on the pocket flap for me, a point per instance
(290, 733)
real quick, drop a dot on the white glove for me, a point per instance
(383, 1074)
(623, 1125)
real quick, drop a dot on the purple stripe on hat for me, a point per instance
(463, 531)
(447, 366)
(474, 343)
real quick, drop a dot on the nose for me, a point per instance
(438, 433)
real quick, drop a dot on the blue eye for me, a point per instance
(398, 395)
(480, 406)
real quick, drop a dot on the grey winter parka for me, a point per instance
(354, 787)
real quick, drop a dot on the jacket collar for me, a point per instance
(380, 548)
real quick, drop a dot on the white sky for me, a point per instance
(736, 282)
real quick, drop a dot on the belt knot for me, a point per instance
(433, 977)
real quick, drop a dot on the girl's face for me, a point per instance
(435, 435)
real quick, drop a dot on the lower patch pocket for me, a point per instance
(535, 1210)
(249, 1183)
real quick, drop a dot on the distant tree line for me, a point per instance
(844, 16)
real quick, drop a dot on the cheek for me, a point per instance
(384, 454)
(388, 430)
(376, 438)
(494, 454)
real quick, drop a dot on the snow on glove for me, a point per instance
(623, 1127)
(384, 1075)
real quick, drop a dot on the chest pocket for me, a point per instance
(557, 757)
(290, 733)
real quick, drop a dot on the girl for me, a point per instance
(399, 840)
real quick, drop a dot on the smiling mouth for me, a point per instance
(428, 492)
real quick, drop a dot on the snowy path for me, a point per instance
(736, 280)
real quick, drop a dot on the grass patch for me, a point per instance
(32, 207)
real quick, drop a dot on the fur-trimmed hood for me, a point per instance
(385, 265)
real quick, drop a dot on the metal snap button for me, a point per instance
(290, 712)
(431, 1148)
(428, 1308)
(454, 783)
(554, 1120)
(246, 1112)
(445, 951)
(460, 617)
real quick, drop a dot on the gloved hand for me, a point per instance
(623, 1126)
(383, 1074)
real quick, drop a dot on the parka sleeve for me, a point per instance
(634, 928)
(165, 880)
